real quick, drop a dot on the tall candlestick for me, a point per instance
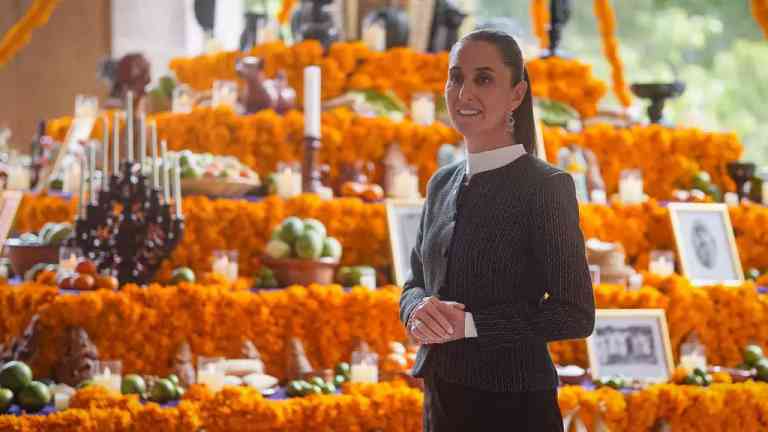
(92, 170)
(177, 186)
(81, 199)
(116, 144)
(312, 101)
(129, 123)
(166, 173)
(142, 140)
(155, 172)
(105, 149)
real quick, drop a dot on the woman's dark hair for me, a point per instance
(512, 56)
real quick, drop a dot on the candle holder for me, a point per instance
(128, 230)
(315, 21)
(311, 177)
(657, 93)
(560, 13)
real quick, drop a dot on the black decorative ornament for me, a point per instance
(312, 20)
(445, 26)
(205, 13)
(395, 23)
(559, 13)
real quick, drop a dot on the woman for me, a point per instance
(499, 267)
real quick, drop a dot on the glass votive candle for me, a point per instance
(364, 367)
(109, 375)
(662, 262)
(86, 106)
(225, 263)
(423, 108)
(631, 186)
(224, 93)
(210, 371)
(183, 99)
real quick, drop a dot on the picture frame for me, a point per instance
(706, 244)
(633, 343)
(403, 217)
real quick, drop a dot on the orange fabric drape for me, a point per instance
(20, 34)
(606, 20)
(540, 21)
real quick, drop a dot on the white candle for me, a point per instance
(364, 373)
(129, 123)
(92, 171)
(312, 101)
(81, 199)
(693, 361)
(731, 199)
(631, 190)
(177, 187)
(221, 265)
(116, 144)
(155, 172)
(661, 267)
(61, 401)
(105, 148)
(375, 36)
(19, 177)
(211, 377)
(142, 140)
(165, 169)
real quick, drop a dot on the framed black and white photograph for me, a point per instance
(403, 217)
(633, 343)
(706, 244)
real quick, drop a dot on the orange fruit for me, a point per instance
(84, 282)
(86, 266)
(107, 282)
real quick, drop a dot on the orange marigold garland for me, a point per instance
(760, 12)
(540, 21)
(21, 33)
(286, 8)
(567, 81)
(606, 20)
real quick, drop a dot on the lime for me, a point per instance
(174, 379)
(163, 391)
(331, 248)
(15, 376)
(34, 396)
(690, 379)
(179, 392)
(291, 229)
(314, 390)
(182, 274)
(86, 383)
(309, 245)
(294, 388)
(338, 380)
(133, 384)
(752, 354)
(752, 274)
(328, 388)
(700, 372)
(342, 369)
(278, 249)
(6, 399)
(316, 226)
(317, 381)
(266, 273)
(344, 276)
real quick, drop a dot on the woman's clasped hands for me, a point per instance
(435, 321)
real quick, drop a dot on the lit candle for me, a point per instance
(177, 187)
(731, 199)
(105, 148)
(164, 168)
(312, 101)
(116, 144)
(423, 109)
(92, 171)
(155, 172)
(142, 140)
(631, 188)
(375, 36)
(364, 373)
(221, 264)
(129, 123)
(108, 380)
(661, 267)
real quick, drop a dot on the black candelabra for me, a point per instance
(129, 228)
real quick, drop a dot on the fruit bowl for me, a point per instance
(292, 271)
(24, 256)
(216, 187)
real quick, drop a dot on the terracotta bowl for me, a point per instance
(23, 257)
(290, 271)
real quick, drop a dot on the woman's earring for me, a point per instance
(511, 121)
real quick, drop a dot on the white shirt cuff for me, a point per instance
(469, 325)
